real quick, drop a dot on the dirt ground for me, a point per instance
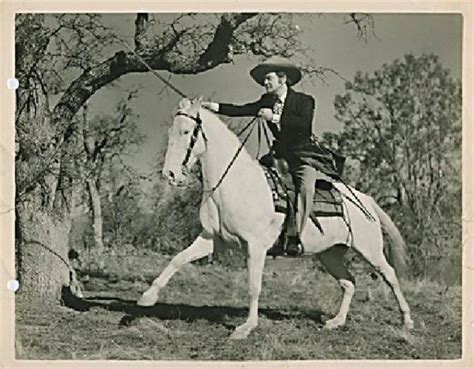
(202, 304)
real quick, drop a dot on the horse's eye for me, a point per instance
(185, 132)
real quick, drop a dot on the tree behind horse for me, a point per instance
(240, 210)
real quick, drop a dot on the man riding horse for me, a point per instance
(289, 115)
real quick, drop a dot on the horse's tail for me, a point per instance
(397, 255)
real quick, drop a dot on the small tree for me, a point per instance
(104, 140)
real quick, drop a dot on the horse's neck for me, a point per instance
(222, 145)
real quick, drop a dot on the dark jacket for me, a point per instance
(295, 141)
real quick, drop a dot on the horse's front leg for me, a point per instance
(201, 247)
(255, 264)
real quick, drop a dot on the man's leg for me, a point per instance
(304, 177)
(305, 180)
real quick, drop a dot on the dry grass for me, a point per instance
(202, 304)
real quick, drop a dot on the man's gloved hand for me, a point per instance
(212, 106)
(266, 114)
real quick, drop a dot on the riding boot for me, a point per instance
(294, 247)
(292, 242)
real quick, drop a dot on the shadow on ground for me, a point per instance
(165, 311)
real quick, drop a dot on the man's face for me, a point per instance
(273, 83)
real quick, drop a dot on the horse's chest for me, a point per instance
(216, 221)
(209, 216)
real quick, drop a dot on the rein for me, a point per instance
(211, 191)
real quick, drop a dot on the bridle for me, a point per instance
(194, 136)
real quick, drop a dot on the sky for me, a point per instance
(336, 45)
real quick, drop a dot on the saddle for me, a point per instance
(327, 199)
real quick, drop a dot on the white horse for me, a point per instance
(241, 210)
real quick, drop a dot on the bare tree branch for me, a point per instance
(140, 31)
(218, 50)
(363, 22)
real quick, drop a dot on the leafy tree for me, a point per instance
(402, 129)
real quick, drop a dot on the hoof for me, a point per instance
(238, 335)
(241, 332)
(148, 299)
(409, 325)
(333, 324)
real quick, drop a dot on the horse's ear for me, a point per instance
(196, 104)
(184, 103)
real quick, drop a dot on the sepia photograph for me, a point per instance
(237, 186)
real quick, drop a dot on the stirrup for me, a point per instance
(278, 248)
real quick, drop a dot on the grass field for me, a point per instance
(203, 304)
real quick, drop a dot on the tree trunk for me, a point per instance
(43, 226)
(97, 216)
(43, 251)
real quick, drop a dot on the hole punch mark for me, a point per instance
(13, 285)
(13, 83)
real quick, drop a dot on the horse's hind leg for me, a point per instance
(201, 247)
(388, 274)
(333, 260)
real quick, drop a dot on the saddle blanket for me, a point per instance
(327, 199)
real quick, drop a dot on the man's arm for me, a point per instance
(231, 110)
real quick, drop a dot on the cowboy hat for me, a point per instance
(276, 64)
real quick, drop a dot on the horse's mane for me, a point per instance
(211, 120)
